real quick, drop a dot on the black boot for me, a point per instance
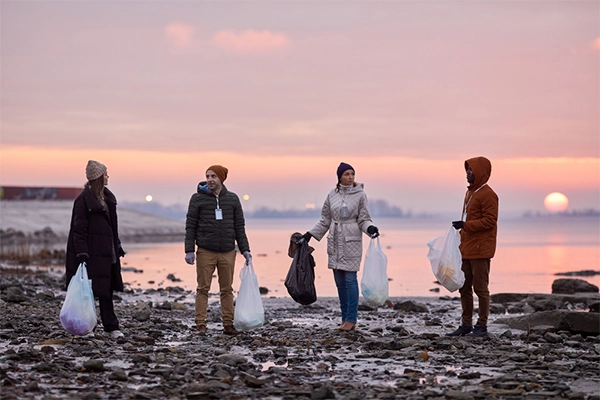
(479, 330)
(462, 330)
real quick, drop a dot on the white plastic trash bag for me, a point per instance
(249, 312)
(446, 260)
(78, 312)
(374, 282)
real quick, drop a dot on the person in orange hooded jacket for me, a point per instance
(479, 226)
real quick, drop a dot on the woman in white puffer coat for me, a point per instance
(345, 215)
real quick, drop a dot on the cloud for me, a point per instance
(179, 34)
(251, 41)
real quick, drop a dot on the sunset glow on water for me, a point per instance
(529, 253)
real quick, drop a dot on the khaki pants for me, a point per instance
(477, 277)
(206, 262)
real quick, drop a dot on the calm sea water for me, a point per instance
(530, 252)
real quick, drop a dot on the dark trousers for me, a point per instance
(477, 277)
(107, 313)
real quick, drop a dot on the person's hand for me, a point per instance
(373, 231)
(190, 258)
(121, 252)
(82, 258)
(247, 256)
(307, 236)
(458, 224)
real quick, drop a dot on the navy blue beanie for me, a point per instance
(342, 168)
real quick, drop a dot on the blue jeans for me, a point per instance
(347, 286)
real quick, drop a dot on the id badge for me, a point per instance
(218, 213)
(345, 213)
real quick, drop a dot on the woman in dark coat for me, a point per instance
(94, 239)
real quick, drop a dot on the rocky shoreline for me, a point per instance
(539, 347)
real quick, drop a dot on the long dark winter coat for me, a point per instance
(202, 229)
(94, 231)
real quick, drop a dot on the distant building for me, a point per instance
(38, 193)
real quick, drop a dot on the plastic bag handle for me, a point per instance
(250, 266)
(378, 242)
(84, 274)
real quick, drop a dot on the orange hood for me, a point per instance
(482, 169)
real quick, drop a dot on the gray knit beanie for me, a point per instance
(94, 170)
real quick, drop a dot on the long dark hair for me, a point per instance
(97, 187)
(337, 187)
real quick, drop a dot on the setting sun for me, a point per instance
(556, 202)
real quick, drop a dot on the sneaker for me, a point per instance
(230, 330)
(116, 334)
(201, 329)
(89, 335)
(462, 330)
(479, 330)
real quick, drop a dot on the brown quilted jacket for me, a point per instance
(478, 235)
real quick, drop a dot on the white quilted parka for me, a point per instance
(344, 241)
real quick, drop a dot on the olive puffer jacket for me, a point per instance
(478, 235)
(344, 241)
(94, 231)
(204, 230)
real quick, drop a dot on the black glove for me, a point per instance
(82, 258)
(458, 224)
(307, 236)
(373, 231)
(121, 252)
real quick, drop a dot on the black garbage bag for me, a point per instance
(300, 280)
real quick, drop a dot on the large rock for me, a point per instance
(586, 272)
(570, 286)
(519, 303)
(94, 365)
(15, 294)
(538, 300)
(141, 311)
(585, 323)
(411, 306)
(504, 298)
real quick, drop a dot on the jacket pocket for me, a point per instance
(352, 241)
(353, 247)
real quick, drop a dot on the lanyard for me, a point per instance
(218, 211)
(468, 201)
(344, 212)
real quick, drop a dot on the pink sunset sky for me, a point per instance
(281, 92)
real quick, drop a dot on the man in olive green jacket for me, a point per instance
(214, 223)
(479, 226)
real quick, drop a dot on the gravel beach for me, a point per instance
(397, 352)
